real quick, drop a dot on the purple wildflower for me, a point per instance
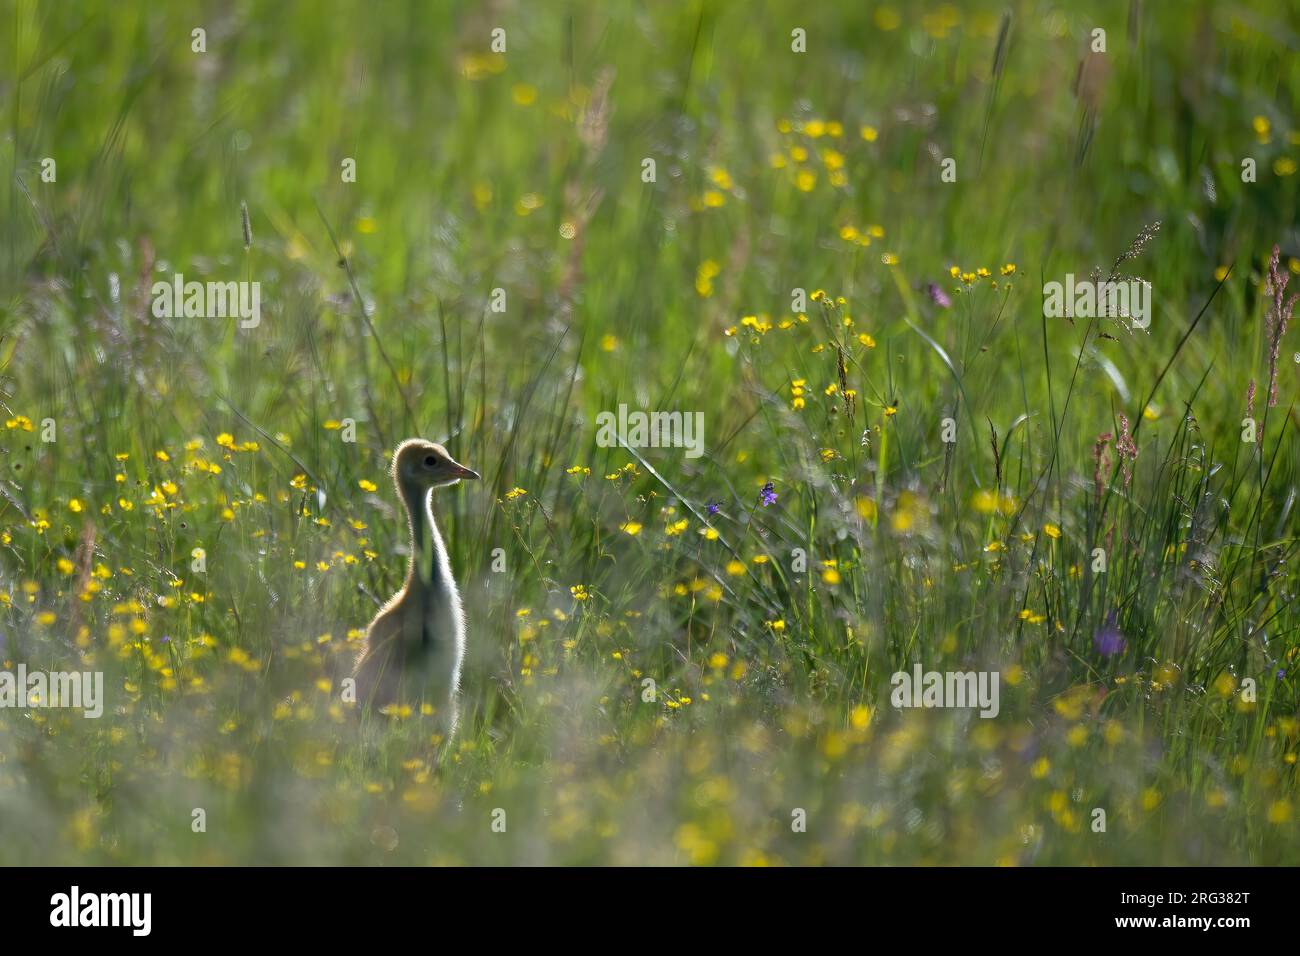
(1109, 641)
(938, 296)
(768, 494)
(714, 507)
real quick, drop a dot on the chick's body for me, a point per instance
(413, 651)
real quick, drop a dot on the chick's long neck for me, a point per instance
(426, 574)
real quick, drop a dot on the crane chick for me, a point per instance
(414, 646)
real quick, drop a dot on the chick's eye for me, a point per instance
(430, 461)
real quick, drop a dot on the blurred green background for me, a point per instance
(774, 171)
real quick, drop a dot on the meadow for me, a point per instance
(826, 230)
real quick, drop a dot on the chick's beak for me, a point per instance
(460, 471)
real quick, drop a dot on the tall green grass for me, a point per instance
(523, 172)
